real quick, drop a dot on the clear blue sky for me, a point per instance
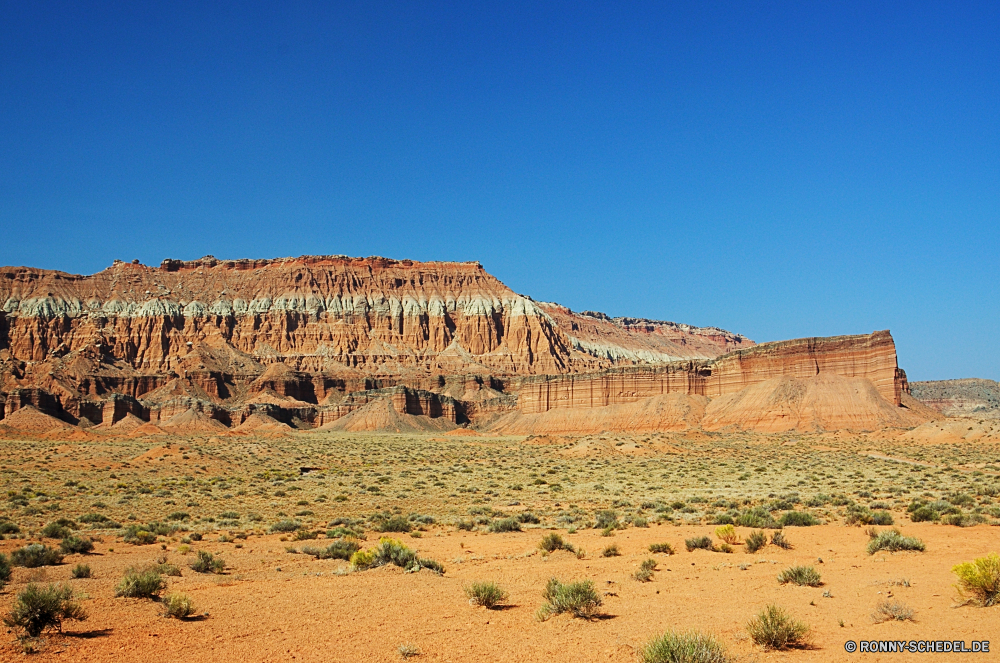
(777, 169)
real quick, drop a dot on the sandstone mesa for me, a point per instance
(378, 344)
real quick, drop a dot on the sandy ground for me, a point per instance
(272, 605)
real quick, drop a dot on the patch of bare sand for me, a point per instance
(275, 606)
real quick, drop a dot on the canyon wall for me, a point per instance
(310, 340)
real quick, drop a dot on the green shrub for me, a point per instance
(892, 540)
(39, 608)
(396, 524)
(778, 539)
(639, 521)
(645, 571)
(81, 571)
(979, 580)
(178, 606)
(887, 611)
(757, 517)
(797, 519)
(806, 576)
(487, 594)
(756, 541)
(611, 551)
(698, 542)
(391, 551)
(505, 525)
(923, 514)
(306, 535)
(883, 518)
(141, 584)
(76, 545)
(577, 598)
(35, 555)
(606, 519)
(206, 562)
(8, 528)
(180, 515)
(553, 542)
(528, 517)
(430, 565)
(465, 525)
(5, 571)
(285, 526)
(56, 531)
(342, 549)
(773, 628)
(664, 548)
(684, 648)
(136, 535)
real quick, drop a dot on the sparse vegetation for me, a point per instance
(778, 539)
(698, 543)
(552, 542)
(34, 555)
(76, 545)
(505, 525)
(577, 598)
(979, 580)
(728, 534)
(645, 571)
(887, 611)
(611, 551)
(206, 562)
(892, 540)
(661, 548)
(81, 571)
(800, 575)
(391, 551)
(773, 628)
(684, 648)
(797, 519)
(756, 541)
(487, 594)
(38, 609)
(178, 606)
(141, 584)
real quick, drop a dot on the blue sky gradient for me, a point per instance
(777, 169)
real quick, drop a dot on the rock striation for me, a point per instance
(304, 342)
(969, 397)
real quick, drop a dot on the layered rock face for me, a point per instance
(970, 397)
(304, 340)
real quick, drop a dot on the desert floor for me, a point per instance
(273, 602)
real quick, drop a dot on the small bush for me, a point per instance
(81, 571)
(606, 519)
(797, 519)
(430, 565)
(5, 571)
(806, 576)
(76, 545)
(664, 548)
(178, 606)
(979, 580)
(395, 524)
(611, 551)
(180, 515)
(684, 648)
(757, 517)
(645, 571)
(39, 608)
(883, 518)
(391, 551)
(137, 536)
(528, 517)
(552, 542)
(141, 584)
(206, 562)
(487, 594)
(924, 514)
(728, 534)
(285, 526)
(465, 525)
(699, 542)
(892, 540)
(756, 541)
(578, 598)
(505, 525)
(773, 628)
(778, 539)
(342, 549)
(888, 611)
(56, 531)
(306, 535)
(35, 555)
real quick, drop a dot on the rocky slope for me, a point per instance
(208, 344)
(970, 397)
